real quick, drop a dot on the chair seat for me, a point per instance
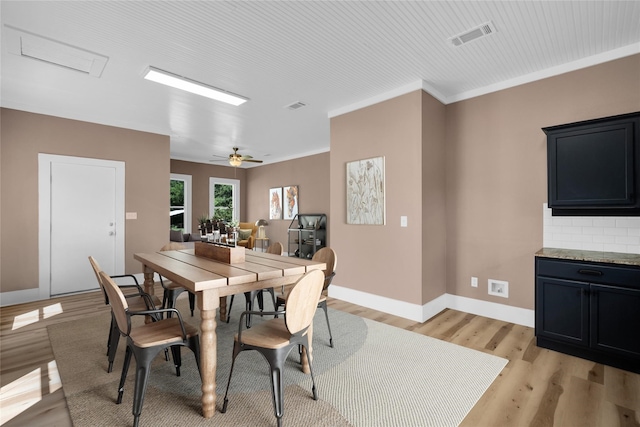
(270, 334)
(162, 332)
(139, 304)
(169, 285)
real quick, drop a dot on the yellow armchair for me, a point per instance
(244, 240)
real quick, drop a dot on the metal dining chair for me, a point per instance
(137, 300)
(275, 248)
(173, 290)
(147, 340)
(329, 257)
(275, 338)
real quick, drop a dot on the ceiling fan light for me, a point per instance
(182, 83)
(234, 161)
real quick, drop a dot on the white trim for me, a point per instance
(19, 297)
(590, 61)
(417, 313)
(236, 194)
(378, 98)
(34, 294)
(44, 214)
(188, 213)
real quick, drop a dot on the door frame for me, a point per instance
(44, 213)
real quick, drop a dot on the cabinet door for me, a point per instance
(615, 320)
(562, 310)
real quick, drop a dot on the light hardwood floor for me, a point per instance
(537, 387)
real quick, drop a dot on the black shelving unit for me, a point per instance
(306, 235)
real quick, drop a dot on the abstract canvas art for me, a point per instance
(275, 203)
(365, 192)
(290, 201)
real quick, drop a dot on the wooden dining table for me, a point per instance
(212, 281)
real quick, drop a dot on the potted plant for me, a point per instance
(202, 221)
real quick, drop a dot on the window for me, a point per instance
(180, 202)
(224, 199)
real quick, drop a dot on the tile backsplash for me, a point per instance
(593, 233)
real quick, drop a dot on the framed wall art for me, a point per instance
(365, 192)
(275, 203)
(290, 195)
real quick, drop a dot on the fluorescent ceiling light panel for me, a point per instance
(178, 82)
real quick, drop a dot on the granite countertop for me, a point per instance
(593, 256)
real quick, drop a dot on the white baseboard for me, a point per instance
(19, 297)
(417, 313)
(38, 294)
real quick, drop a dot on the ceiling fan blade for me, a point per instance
(252, 161)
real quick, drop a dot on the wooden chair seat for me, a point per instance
(139, 304)
(161, 333)
(271, 334)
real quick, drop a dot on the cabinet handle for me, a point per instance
(590, 272)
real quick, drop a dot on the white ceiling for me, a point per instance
(333, 56)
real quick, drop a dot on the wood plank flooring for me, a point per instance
(537, 388)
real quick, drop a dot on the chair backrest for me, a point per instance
(302, 301)
(173, 246)
(97, 270)
(118, 303)
(329, 257)
(275, 248)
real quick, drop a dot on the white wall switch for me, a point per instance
(403, 221)
(474, 282)
(131, 215)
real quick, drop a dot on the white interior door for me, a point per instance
(86, 217)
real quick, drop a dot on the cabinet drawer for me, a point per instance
(612, 274)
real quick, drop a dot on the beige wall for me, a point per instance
(200, 174)
(496, 171)
(23, 135)
(434, 213)
(310, 174)
(382, 260)
(494, 174)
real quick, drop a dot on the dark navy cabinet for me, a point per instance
(590, 310)
(594, 166)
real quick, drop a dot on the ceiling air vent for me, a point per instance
(29, 45)
(295, 105)
(473, 34)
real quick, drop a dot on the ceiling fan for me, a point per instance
(235, 159)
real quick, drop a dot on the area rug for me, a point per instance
(377, 375)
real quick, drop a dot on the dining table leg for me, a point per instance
(148, 287)
(208, 302)
(148, 280)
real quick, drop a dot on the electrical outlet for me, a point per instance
(474, 282)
